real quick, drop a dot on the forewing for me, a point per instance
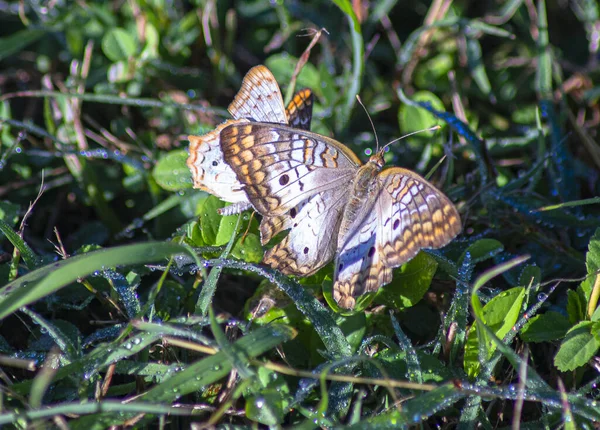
(281, 166)
(259, 98)
(407, 215)
(414, 215)
(311, 241)
(299, 110)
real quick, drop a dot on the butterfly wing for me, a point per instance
(259, 98)
(299, 109)
(417, 215)
(312, 239)
(406, 215)
(210, 173)
(280, 167)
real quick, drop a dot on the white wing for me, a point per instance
(406, 215)
(311, 241)
(259, 98)
(209, 171)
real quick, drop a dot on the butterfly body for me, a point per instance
(363, 194)
(368, 219)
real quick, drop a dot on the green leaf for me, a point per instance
(210, 220)
(576, 307)
(215, 229)
(171, 172)
(169, 301)
(588, 290)
(596, 330)
(151, 47)
(265, 407)
(9, 212)
(118, 45)
(434, 69)
(248, 248)
(530, 276)
(413, 118)
(268, 401)
(64, 334)
(489, 274)
(579, 346)
(592, 258)
(481, 250)
(410, 283)
(354, 327)
(17, 41)
(227, 229)
(48, 279)
(546, 327)
(500, 314)
(31, 260)
(282, 66)
(476, 66)
(196, 233)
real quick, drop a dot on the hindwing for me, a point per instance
(299, 110)
(311, 241)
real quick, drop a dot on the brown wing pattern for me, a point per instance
(281, 166)
(209, 171)
(311, 241)
(259, 98)
(416, 215)
(299, 110)
(409, 214)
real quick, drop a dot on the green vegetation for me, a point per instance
(127, 299)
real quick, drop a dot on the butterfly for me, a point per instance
(259, 99)
(367, 219)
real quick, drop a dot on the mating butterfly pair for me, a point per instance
(367, 219)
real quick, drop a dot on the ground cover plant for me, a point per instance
(128, 300)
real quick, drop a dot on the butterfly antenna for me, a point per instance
(370, 120)
(435, 127)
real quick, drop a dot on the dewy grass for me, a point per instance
(122, 287)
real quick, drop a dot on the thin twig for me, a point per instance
(302, 61)
(31, 206)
